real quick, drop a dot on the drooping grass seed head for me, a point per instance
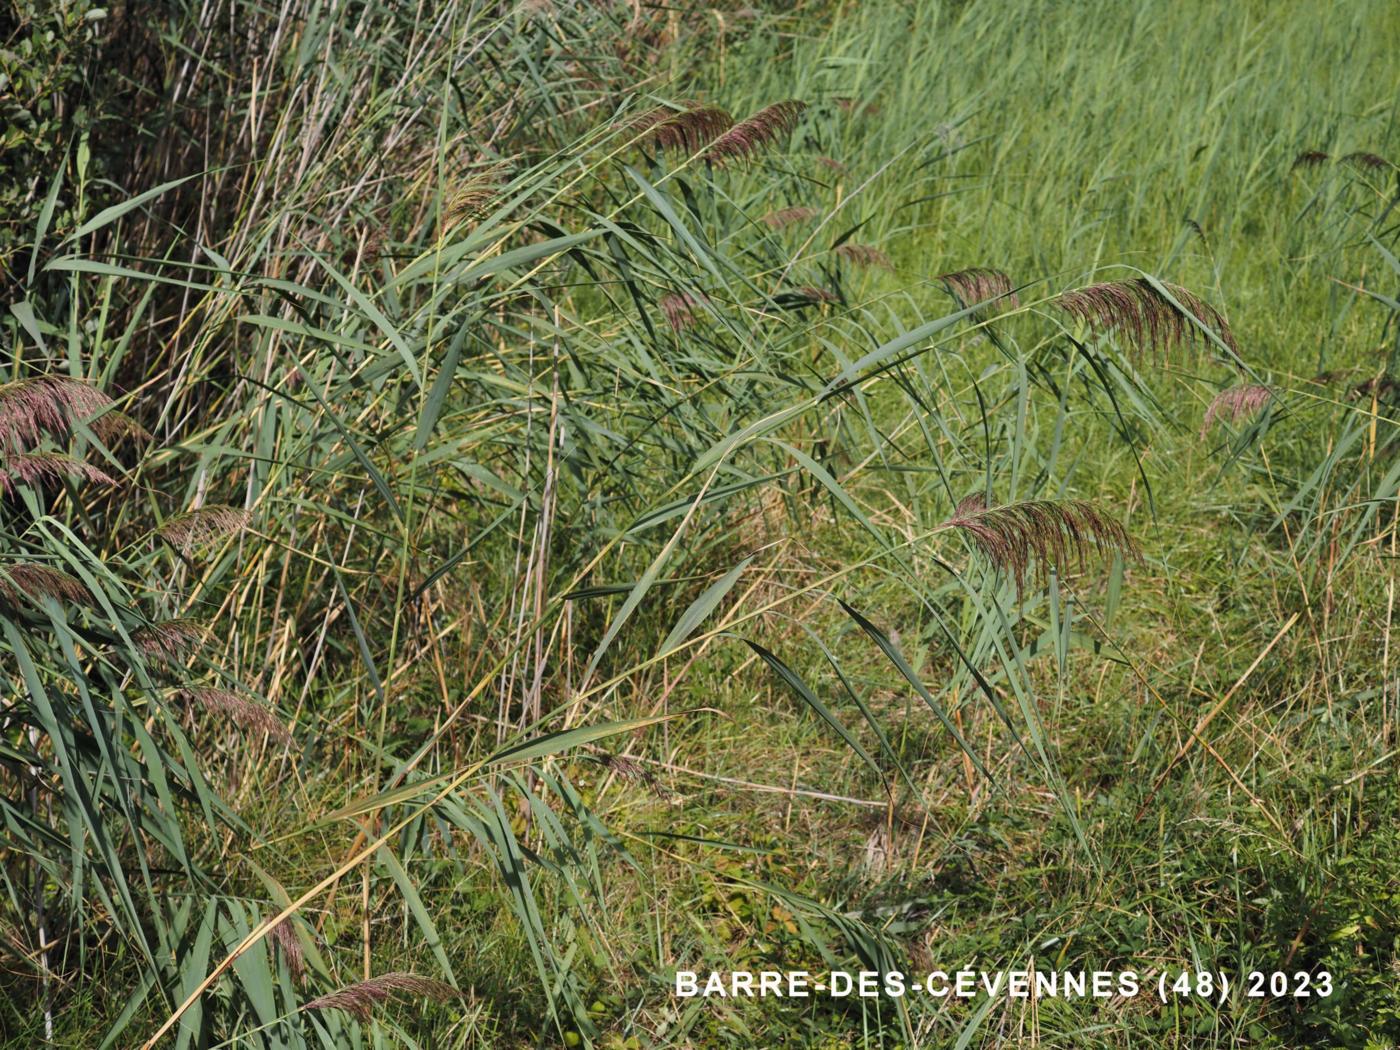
(1025, 539)
(1237, 403)
(1137, 312)
(359, 1000)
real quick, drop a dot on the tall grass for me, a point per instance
(469, 426)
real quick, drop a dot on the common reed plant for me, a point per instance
(488, 524)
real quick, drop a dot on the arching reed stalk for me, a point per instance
(755, 133)
(1236, 404)
(245, 714)
(980, 284)
(683, 310)
(1037, 534)
(36, 582)
(49, 404)
(359, 1000)
(37, 468)
(196, 528)
(168, 641)
(788, 216)
(1139, 313)
(863, 255)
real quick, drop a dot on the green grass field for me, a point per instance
(503, 502)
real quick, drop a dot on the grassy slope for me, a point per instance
(1060, 144)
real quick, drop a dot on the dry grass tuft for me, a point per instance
(864, 255)
(1140, 313)
(37, 582)
(359, 1000)
(195, 528)
(50, 404)
(1042, 533)
(1237, 403)
(36, 468)
(788, 216)
(245, 713)
(757, 132)
(980, 284)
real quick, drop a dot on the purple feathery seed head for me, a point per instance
(1137, 311)
(1039, 533)
(1236, 403)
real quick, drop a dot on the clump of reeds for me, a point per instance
(359, 1000)
(1018, 537)
(864, 255)
(246, 714)
(1236, 403)
(1136, 310)
(788, 216)
(980, 284)
(682, 309)
(168, 641)
(195, 528)
(24, 580)
(36, 468)
(30, 408)
(757, 132)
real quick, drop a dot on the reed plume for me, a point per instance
(245, 713)
(689, 129)
(864, 255)
(36, 582)
(288, 945)
(1039, 533)
(755, 133)
(682, 310)
(980, 284)
(855, 108)
(1310, 158)
(1236, 403)
(168, 641)
(195, 528)
(788, 216)
(36, 468)
(1373, 161)
(359, 1000)
(471, 196)
(114, 426)
(49, 404)
(1136, 310)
